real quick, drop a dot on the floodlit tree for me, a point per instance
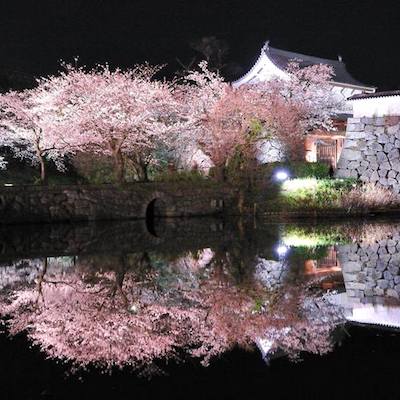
(223, 117)
(311, 88)
(29, 121)
(119, 113)
(297, 105)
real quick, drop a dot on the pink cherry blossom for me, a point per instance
(118, 113)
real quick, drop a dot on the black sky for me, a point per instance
(36, 34)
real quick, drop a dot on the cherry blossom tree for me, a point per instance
(118, 113)
(29, 122)
(311, 88)
(223, 117)
(297, 105)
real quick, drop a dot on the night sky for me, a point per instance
(36, 34)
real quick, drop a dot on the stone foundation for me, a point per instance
(371, 151)
(22, 204)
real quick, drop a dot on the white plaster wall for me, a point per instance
(376, 107)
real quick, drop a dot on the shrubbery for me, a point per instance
(369, 196)
(300, 169)
(194, 176)
(332, 194)
(314, 193)
(309, 170)
(93, 169)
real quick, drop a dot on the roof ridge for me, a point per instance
(386, 93)
(287, 52)
(280, 59)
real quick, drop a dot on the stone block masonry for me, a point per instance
(107, 202)
(371, 270)
(371, 151)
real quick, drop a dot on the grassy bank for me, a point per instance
(330, 195)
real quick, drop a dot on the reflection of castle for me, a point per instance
(366, 279)
(272, 273)
(371, 276)
(368, 313)
(371, 273)
(327, 264)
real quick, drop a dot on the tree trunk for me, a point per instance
(143, 172)
(220, 173)
(43, 174)
(119, 167)
(141, 168)
(40, 281)
(42, 162)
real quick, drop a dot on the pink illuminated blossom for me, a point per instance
(118, 113)
(113, 319)
(29, 126)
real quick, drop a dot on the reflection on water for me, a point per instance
(116, 295)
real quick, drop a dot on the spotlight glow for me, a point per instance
(281, 175)
(282, 250)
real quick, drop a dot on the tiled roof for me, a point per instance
(377, 94)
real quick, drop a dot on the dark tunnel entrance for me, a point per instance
(154, 212)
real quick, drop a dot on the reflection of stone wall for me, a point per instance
(117, 237)
(270, 273)
(371, 270)
(371, 151)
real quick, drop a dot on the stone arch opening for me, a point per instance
(154, 211)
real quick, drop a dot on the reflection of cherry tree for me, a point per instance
(310, 331)
(3, 163)
(98, 323)
(121, 318)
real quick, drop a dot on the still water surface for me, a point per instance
(194, 294)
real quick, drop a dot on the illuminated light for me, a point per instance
(8, 184)
(282, 250)
(281, 175)
(134, 308)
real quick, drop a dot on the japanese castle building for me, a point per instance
(272, 62)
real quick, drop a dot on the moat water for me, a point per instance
(206, 308)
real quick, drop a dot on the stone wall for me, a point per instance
(107, 202)
(371, 151)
